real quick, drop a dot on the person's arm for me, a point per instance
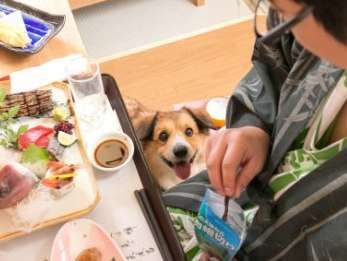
(236, 154)
(254, 103)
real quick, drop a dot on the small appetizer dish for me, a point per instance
(44, 174)
(24, 29)
(84, 240)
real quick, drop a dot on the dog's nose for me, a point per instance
(180, 151)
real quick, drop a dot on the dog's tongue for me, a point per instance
(182, 170)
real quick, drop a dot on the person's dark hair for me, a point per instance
(332, 14)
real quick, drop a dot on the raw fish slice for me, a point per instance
(38, 135)
(16, 182)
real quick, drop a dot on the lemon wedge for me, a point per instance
(66, 139)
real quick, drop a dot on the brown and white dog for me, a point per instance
(173, 141)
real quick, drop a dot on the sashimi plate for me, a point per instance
(64, 186)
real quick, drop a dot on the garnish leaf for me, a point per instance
(13, 111)
(9, 137)
(21, 130)
(2, 95)
(34, 154)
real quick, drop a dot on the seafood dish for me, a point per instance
(44, 174)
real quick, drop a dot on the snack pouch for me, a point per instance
(219, 238)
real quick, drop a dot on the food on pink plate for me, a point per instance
(16, 182)
(81, 239)
(39, 135)
(64, 126)
(90, 254)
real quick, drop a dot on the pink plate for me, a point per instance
(81, 234)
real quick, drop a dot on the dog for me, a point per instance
(173, 141)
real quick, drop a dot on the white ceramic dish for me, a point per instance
(81, 234)
(114, 135)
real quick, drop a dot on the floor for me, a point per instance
(206, 65)
(117, 26)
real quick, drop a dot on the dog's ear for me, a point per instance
(144, 127)
(202, 119)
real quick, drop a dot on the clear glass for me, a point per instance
(85, 80)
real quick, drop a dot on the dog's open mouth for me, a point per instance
(181, 168)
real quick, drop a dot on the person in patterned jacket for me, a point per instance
(284, 148)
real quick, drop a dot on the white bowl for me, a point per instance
(114, 135)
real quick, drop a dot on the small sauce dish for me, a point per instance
(111, 151)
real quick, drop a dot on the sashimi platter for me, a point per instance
(45, 177)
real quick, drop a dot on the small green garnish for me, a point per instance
(60, 113)
(2, 96)
(34, 154)
(345, 74)
(8, 136)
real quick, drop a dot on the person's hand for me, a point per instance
(234, 157)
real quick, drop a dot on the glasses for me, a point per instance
(276, 32)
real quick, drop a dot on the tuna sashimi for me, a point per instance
(16, 182)
(38, 135)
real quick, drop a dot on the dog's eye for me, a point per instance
(163, 136)
(189, 132)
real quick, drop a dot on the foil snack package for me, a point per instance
(218, 237)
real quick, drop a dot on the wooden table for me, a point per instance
(118, 211)
(68, 41)
(205, 65)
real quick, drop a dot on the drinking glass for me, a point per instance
(85, 80)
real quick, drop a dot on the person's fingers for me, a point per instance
(248, 172)
(212, 138)
(214, 163)
(204, 257)
(230, 166)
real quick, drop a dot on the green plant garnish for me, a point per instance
(345, 74)
(34, 154)
(10, 137)
(2, 96)
(13, 111)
